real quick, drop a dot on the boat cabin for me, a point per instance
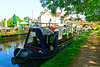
(41, 39)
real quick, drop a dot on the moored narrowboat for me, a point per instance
(41, 43)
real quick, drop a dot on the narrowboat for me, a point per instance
(41, 43)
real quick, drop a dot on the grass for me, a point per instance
(11, 33)
(65, 57)
(99, 42)
(98, 33)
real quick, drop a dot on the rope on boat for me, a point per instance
(18, 52)
(23, 60)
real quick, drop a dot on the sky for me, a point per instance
(21, 8)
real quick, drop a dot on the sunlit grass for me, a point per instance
(99, 42)
(98, 33)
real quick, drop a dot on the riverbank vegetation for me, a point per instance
(65, 57)
(10, 21)
(99, 42)
(98, 33)
(12, 33)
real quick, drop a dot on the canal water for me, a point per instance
(6, 52)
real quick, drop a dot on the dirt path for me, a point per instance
(89, 54)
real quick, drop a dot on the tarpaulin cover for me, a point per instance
(46, 31)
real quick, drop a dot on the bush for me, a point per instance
(2, 38)
(16, 29)
(70, 34)
(8, 29)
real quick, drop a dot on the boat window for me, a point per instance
(48, 41)
(52, 38)
(64, 31)
(33, 40)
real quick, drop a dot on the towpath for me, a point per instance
(89, 53)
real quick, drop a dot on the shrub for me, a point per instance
(8, 29)
(16, 29)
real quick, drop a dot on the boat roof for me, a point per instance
(46, 31)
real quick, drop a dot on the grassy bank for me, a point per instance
(65, 57)
(12, 33)
(98, 34)
(99, 42)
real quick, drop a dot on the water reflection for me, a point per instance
(6, 52)
(1, 48)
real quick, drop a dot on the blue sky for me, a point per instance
(21, 8)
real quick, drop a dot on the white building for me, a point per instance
(48, 17)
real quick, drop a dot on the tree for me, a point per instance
(2, 22)
(62, 19)
(89, 8)
(18, 19)
(78, 18)
(10, 22)
(14, 19)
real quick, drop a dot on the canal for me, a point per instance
(6, 52)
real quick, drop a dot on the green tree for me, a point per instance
(62, 18)
(78, 18)
(18, 19)
(89, 8)
(2, 22)
(10, 22)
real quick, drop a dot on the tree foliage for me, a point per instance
(10, 21)
(90, 8)
(62, 18)
(18, 19)
(2, 22)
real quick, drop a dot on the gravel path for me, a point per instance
(89, 53)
